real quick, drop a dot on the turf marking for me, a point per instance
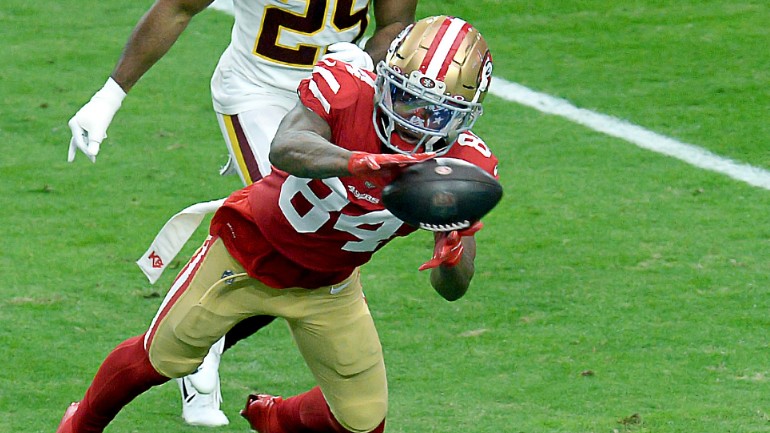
(637, 135)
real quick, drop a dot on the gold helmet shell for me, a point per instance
(431, 84)
(447, 50)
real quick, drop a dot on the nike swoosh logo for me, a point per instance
(186, 396)
(336, 289)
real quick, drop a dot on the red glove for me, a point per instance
(448, 249)
(362, 164)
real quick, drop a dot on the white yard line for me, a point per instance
(637, 135)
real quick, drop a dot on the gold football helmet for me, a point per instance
(430, 86)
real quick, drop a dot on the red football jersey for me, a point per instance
(295, 232)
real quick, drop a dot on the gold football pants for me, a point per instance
(331, 326)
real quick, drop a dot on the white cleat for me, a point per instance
(201, 393)
(206, 378)
(201, 409)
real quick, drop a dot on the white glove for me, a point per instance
(89, 125)
(350, 53)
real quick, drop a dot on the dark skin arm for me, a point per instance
(390, 16)
(160, 27)
(301, 147)
(452, 282)
(153, 36)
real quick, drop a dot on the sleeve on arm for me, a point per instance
(474, 150)
(330, 87)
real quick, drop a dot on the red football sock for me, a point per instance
(124, 374)
(310, 413)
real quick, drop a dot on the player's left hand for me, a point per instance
(350, 53)
(448, 249)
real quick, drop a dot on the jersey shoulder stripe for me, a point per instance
(334, 85)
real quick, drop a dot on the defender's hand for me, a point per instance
(362, 164)
(350, 53)
(89, 125)
(448, 249)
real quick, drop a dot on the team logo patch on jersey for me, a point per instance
(362, 195)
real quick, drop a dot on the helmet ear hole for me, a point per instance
(431, 83)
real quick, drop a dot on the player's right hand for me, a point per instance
(448, 247)
(89, 125)
(362, 164)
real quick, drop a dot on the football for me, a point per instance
(442, 194)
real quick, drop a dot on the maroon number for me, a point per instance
(345, 17)
(310, 22)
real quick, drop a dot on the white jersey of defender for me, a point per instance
(276, 43)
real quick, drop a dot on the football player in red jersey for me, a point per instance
(291, 244)
(274, 45)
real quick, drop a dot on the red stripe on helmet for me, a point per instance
(434, 45)
(452, 51)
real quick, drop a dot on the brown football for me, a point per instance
(442, 194)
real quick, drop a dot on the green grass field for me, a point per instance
(617, 289)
